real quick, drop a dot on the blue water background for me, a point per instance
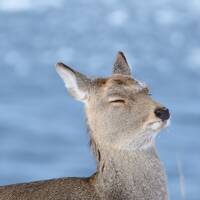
(42, 129)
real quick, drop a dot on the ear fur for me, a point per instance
(76, 83)
(121, 65)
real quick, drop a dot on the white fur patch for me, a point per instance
(72, 86)
(141, 85)
(155, 125)
(69, 79)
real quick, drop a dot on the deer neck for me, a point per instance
(134, 174)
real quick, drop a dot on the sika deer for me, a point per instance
(123, 121)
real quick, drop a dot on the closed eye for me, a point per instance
(117, 101)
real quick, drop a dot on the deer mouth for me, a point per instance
(158, 125)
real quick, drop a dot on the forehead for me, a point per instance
(117, 82)
(120, 80)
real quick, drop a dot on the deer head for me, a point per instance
(120, 111)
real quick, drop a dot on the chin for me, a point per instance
(157, 126)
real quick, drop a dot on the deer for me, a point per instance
(123, 121)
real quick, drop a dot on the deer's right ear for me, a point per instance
(76, 83)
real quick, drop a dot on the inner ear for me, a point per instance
(76, 83)
(121, 65)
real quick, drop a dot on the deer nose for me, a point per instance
(162, 113)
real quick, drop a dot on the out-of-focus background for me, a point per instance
(42, 129)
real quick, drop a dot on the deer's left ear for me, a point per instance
(76, 83)
(121, 65)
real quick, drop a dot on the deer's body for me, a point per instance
(136, 175)
(123, 122)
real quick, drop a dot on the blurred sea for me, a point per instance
(43, 131)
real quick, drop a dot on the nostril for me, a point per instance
(162, 113)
